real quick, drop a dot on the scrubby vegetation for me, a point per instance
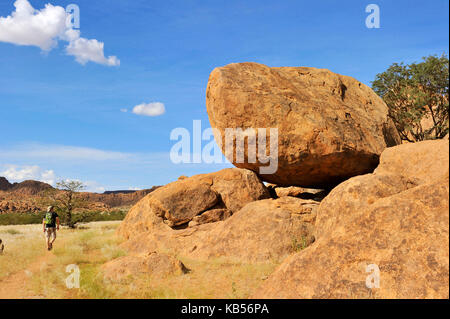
(20, 218)
(79, 217)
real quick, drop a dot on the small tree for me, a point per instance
(64, 198)
(68, 200)
(415, 93)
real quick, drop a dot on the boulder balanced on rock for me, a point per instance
(330, 127)
(393, 218)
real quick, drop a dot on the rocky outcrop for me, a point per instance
(330, 127)
(401, 168)
(148, 264)
(262, 230)
(179, 202)
(19, 207)
(395, 220)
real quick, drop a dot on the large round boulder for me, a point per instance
(330, 127)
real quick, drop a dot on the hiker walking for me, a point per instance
(50, 224)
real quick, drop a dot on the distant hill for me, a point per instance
(25, 197)
(29, 187)
(4, 184)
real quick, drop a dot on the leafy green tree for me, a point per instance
(418, 97)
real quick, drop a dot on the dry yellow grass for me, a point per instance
(23, 244)
(215, 279)
(44, 273)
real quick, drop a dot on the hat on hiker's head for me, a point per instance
(49, 208)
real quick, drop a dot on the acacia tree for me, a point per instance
(64, 198)
(68, 200)
(418, 97)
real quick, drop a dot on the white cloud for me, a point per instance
(111, 170)
(85, 50)
(62, 152)
(44, 28)
(16, 173)
(134, 188)
(124, 110)
(149, 109)
(92, 186)
(26, 26)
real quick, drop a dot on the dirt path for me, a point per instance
(19, 285)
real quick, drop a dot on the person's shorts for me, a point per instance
(50, 232)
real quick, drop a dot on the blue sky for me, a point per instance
(62, 119)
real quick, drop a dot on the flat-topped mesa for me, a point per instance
(330, 127)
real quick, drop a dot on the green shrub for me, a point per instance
(417, 96)
(298, 245)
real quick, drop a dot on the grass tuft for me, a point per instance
(11, 232)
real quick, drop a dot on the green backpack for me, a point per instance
(48, 219)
